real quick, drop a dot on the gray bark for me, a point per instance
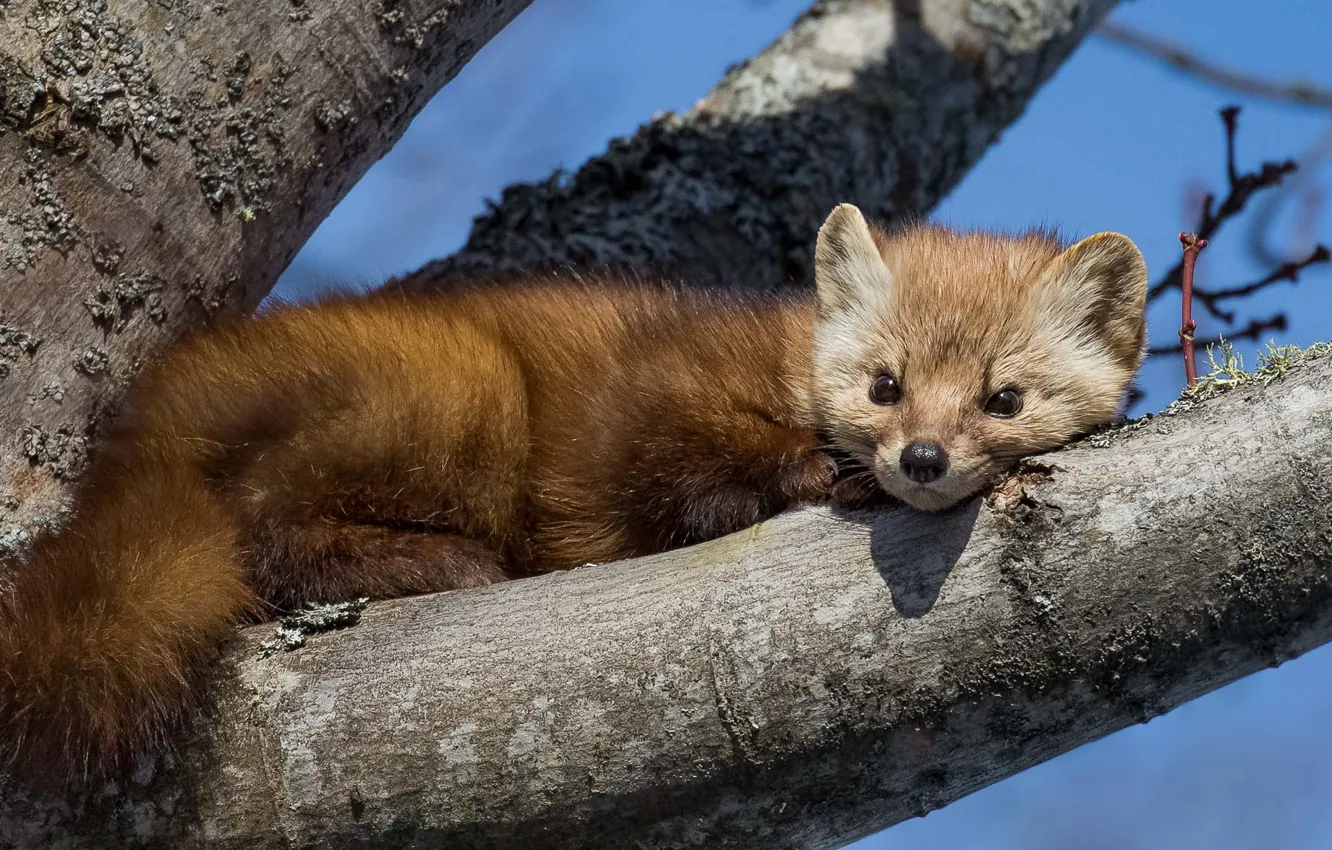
(799, 684)
(162, 161)
(883, 104)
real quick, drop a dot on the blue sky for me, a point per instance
(1112, 143)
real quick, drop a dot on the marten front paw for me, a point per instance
(857, 490)
(809, 477)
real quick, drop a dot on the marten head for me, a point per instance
(942, 358)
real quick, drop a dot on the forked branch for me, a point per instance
(1242, 186)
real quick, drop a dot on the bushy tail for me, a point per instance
(106, 631)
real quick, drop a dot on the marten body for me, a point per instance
(383, 446)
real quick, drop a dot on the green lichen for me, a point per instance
(116, 301)
(93, 361)
(1228, 372)
(239, 141)
(13, 343)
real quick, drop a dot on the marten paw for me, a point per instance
(856, 491)
(809, 477)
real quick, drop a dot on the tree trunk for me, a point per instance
(162, 161)
(883, 104)
(799, 684)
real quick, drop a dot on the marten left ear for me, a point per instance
(1098, 286)
(848, 269)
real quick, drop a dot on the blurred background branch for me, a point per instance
(1296, 92)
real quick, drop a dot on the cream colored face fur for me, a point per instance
(956, 318)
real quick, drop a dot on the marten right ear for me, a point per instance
(1098, 287)
(848, 269)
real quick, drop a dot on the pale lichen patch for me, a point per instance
(1228, 371)
(293, 631)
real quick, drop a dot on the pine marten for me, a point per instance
(386, 445)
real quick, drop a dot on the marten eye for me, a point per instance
(885, 389)
(1004, 404)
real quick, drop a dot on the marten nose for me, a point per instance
(924, 462)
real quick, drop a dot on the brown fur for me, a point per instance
(385, 446)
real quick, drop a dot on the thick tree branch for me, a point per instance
(162, 161)
(799, 684)
(885, 105)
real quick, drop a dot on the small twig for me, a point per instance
(1243, 185)
(1193, 245)
(1288, 272)
(1298, 92)
(1255, 330)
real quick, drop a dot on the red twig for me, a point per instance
(1192, 246)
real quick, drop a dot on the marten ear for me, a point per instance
(1098, 288)
(848, 269)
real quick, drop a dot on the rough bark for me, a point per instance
(883, 104)
(799, 684)
(163, 161)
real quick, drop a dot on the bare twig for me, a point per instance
(1254, 330)
(1298, 92)
(1243, 185)
(1193, 245)
(1288, 272)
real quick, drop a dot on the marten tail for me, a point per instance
(106, 631)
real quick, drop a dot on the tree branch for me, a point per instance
(885, 105)
(799, 684)
(1285, 273)
(1298, 92)
(161, 163)
(1242, 185)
